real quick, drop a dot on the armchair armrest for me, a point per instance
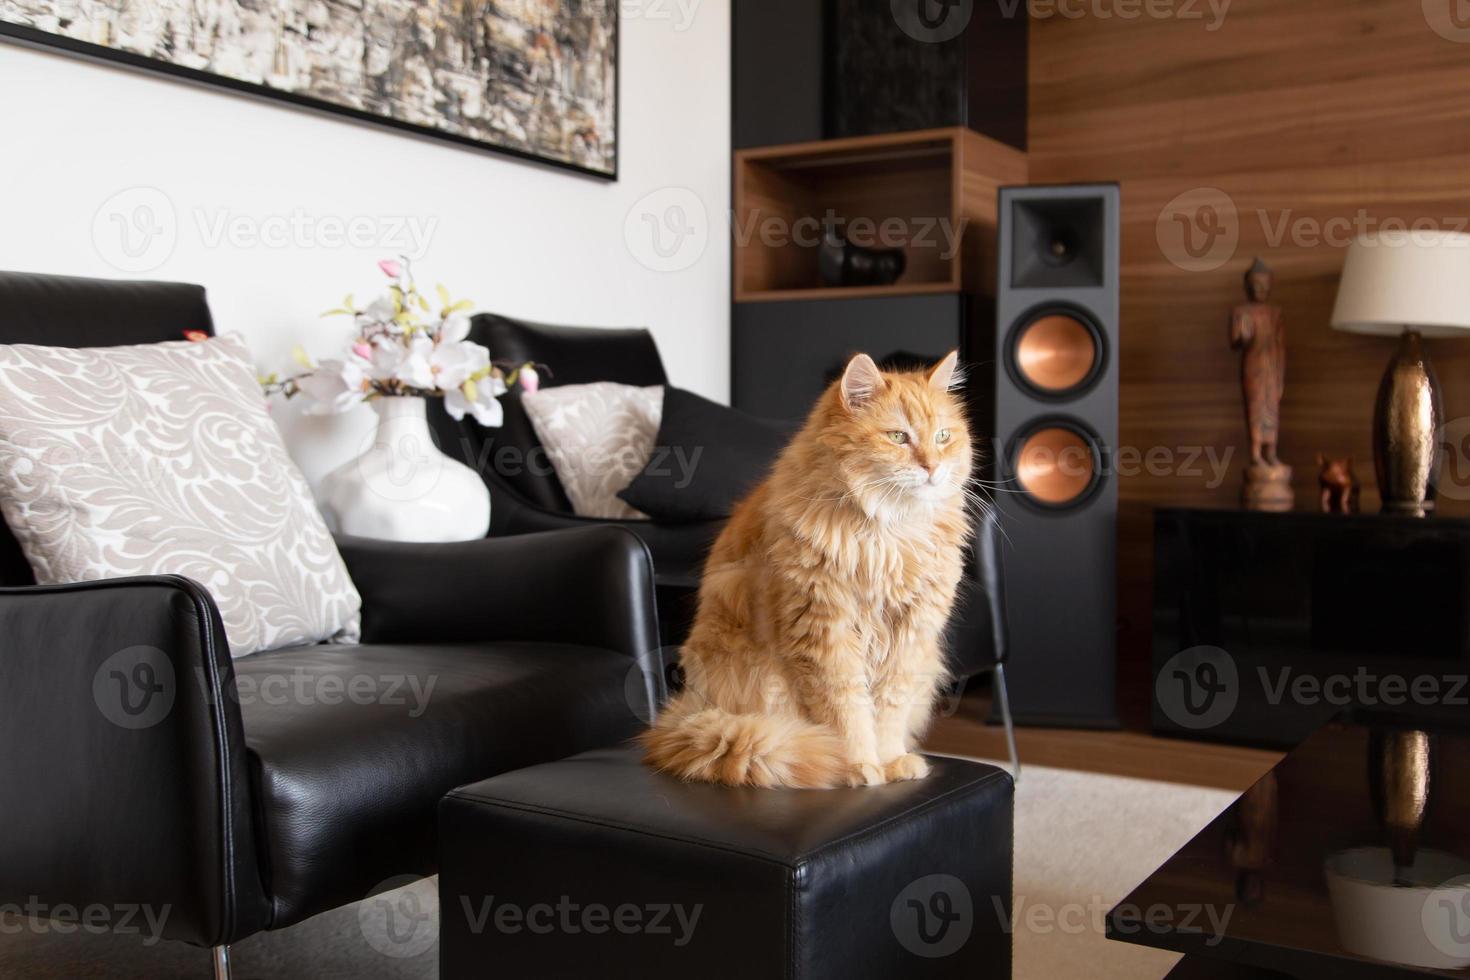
(125, 784)
(589, 586)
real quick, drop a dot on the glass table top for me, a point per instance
(1350, 858)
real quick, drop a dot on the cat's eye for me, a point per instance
(898, 436)
(942, 436)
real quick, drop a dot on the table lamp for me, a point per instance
(1409, 284)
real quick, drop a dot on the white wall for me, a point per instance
(81, 138)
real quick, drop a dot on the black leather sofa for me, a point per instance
(243, 812)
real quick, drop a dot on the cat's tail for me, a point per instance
(711, 745)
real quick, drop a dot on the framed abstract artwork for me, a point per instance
(537, 79)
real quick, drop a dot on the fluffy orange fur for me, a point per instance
(816, 655)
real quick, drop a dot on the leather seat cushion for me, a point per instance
(352, 747)
(788, 883)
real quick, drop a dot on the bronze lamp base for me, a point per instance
(1406, 422)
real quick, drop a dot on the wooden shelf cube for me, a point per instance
(931, 192)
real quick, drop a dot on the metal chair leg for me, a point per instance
(1005, 717)
(221, 963)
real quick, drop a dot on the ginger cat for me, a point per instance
(816, 655)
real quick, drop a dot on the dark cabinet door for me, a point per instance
(786, 353)
(777, 53)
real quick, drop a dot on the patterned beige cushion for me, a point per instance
(162, 459)
(599, 436)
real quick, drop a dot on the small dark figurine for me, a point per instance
(1339, 486)
(1256, 329)
(842, 263)
(1251, 841)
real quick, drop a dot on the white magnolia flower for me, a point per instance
(455, 362)
(410, 364)
(386, 358)
(440, 367)
(378, 317)
(334, 387)
(456, 327)
(478, 398)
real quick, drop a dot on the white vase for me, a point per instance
(402, 488)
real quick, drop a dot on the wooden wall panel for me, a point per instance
(1302, 110)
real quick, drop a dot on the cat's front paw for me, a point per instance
(865, 774)
(910, 765)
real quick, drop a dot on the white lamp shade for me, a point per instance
(1410, 279)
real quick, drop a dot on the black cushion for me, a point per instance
(346, 791)
(66, 311)
(787, 883)
(706, 457)
(511, 457)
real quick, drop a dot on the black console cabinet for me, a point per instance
(1266, 625)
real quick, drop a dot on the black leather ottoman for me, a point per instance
(596, 867)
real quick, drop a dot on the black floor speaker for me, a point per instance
(1052, 387)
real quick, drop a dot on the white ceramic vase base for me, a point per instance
(402, 488)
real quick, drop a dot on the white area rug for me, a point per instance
(1083, 842)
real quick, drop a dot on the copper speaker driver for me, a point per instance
(1056, 353)
(1056, 465)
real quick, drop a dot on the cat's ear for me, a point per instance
(946, 375)
(860, 382)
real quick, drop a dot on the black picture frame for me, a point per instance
(33, 37)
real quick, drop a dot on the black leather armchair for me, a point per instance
(526, 495)
(145, 768)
